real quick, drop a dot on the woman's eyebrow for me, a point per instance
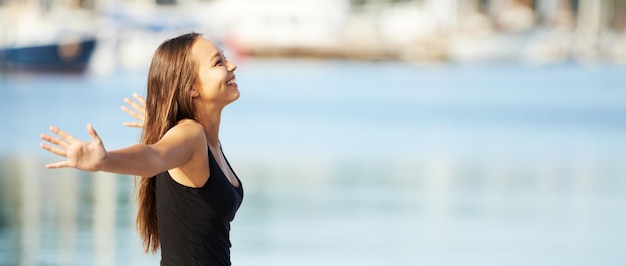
(214, 56)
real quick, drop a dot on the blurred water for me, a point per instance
(348, 163)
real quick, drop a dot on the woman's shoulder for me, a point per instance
(189, 128)
(189, 122)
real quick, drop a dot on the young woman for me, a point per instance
(187, 192)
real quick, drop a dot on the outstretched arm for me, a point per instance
(139, 113)
(175, 149)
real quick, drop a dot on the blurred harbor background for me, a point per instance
(434, 31)
(369, 132)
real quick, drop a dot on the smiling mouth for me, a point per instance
(231, 82)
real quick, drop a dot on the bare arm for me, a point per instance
(175, 149)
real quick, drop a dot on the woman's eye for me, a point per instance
(219, 62)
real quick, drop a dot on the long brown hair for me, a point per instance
(172, 75)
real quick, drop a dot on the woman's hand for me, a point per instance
(87, 156)
(140, 110)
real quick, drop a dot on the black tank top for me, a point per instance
(194, 223)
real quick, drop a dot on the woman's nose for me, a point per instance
(231, 66)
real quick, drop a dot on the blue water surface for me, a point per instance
(348, 163)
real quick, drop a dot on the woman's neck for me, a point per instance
(210, 121)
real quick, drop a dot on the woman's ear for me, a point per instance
(194, 92)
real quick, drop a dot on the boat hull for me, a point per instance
(70, 56)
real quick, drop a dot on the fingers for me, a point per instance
(131, 113)
(140, 107)
(62, 134)
(54, 141)
(92, 132)
(133, 124)
(64, 141)
(134, 105)
(58, 165)
(140, 99)
(136, 116)
(57, 151)
(68, 146)
(139, 112)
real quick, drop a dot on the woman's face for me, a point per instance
(215, 73)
